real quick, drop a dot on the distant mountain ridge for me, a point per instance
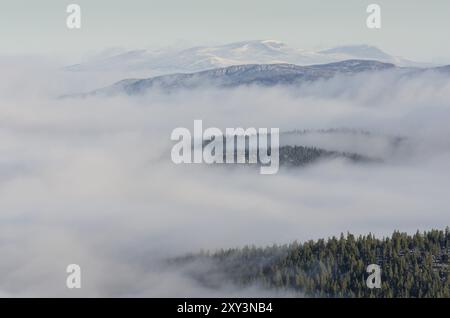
(199, 58)
(253, 74)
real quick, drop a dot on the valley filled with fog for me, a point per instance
(89, 180)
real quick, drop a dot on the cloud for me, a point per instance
(90, 181)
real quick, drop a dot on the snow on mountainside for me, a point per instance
(165, 61)
(367, 52)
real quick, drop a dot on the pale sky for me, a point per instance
(414, 29)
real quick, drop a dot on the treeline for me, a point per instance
(297, 156)
(411, 265)
(300, 156)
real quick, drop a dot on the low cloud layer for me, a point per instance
(90, 181)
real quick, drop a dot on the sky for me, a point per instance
(410, 28)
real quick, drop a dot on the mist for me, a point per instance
(90, 181)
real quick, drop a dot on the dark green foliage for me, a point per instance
(412, 265)
(300, 155)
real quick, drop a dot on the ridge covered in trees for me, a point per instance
(411, 266)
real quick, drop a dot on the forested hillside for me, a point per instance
(411, 266)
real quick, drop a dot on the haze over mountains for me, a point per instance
(265, 75)
(199, 58)
(261, 62)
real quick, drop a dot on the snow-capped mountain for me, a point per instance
(366, 52)
(166, 61)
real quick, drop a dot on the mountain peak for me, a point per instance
(144, 62)
(359, 51)
(273, 43)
